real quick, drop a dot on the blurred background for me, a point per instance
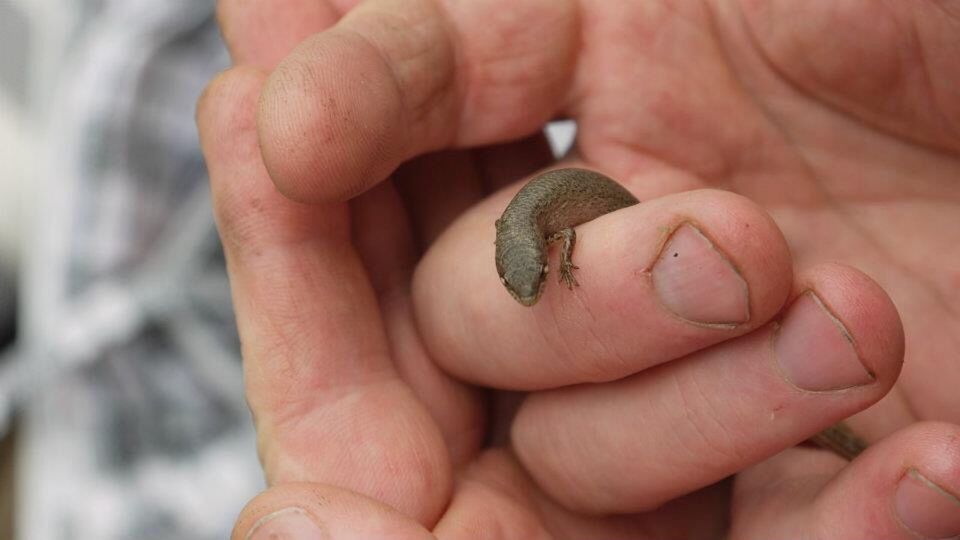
(121, 405)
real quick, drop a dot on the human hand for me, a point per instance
(654, 93)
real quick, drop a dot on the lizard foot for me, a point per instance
(566, 274)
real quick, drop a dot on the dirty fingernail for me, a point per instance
(697, 282)
(927, 509)
(289, 523)
(815, 351)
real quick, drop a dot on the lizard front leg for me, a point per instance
(569, 237)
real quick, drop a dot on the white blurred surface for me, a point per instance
(561, 135)
(33, 40)
(17, 142)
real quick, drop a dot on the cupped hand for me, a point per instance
(704, 353)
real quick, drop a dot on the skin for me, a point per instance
(843, 129)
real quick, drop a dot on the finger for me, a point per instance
(260, 33)
(302, 511)
(399, 78)
(658, 281)
(905, 487)
(495, 494)
(635, 443)
(316, 363)
(386, 246)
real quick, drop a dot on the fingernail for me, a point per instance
(927, 509)
(815, 351)
(289, 524)
(697, 282)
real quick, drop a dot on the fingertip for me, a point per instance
(752, 241)
(225, 113)
(331, 119)
(905, 486)
(305, 510)
(927, 496)
(397, 78)
(869, 317)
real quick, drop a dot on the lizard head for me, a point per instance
(525, 285)
(521, 258)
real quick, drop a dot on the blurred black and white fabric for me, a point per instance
(124, 377)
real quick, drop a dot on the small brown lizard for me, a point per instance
(546, 210)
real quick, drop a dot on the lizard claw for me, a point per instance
(567, 277)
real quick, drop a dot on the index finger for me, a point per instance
(317, 365)
(658, 281)
(398, 78)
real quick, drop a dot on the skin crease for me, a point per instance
(849, 141)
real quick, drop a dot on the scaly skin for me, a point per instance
(546, 210)
(841, 440)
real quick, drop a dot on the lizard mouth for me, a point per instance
(527, 300)
(530, 299)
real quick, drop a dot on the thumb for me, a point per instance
(304, 511)
(901, 488)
